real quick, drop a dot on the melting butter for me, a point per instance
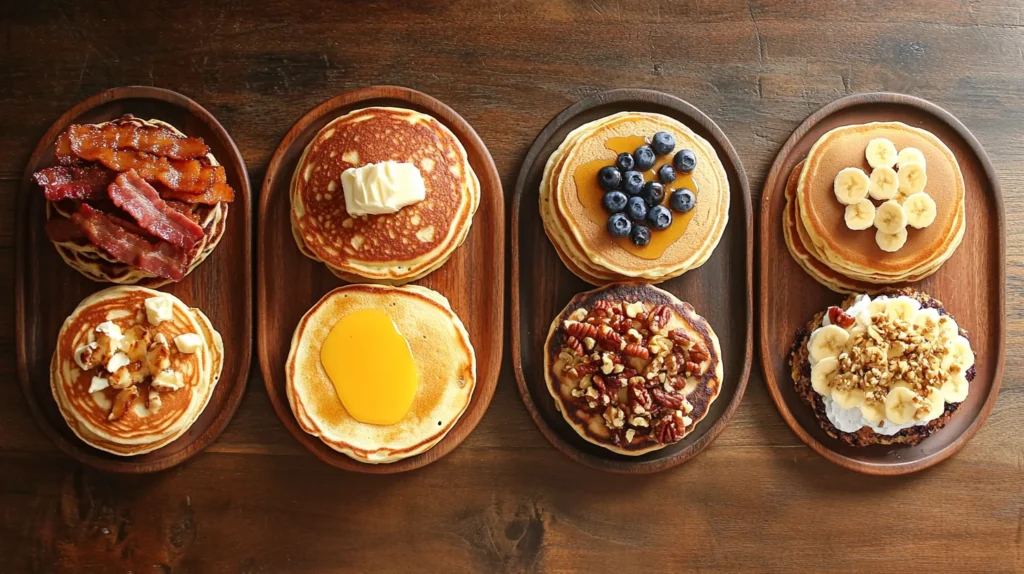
(371, 366)
(385, 187)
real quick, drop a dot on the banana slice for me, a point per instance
(955, 389)
(884, 183)
(881, 153)
(890, 217)
(891, 242)
(933, 407)
(875, 307)
(822, 373)
(927, 320)
(920, 209)
(873, 412)
(909, 155)
(912, 180)
(903, 308)
(900, 406)
(851, 185)
(958, 354)
(860, 215)
(829, 341)
(848, 398)
(948, 329)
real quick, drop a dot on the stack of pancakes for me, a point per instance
(98, 265)
(389, 248)
(441, 350)
(850, 261)
(149, 423)
(585, 246)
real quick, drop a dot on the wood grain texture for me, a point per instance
(542, 285)
(757, 500)
(290, 283)
(47, 290)
(973, 293)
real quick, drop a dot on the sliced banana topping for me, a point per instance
(912, 180)
(848, 398)
(873, 412)
(959, 355)
(891, 242)
(900, 405)
(860, 215)
(955, 389)
(926, 318)
(890, 217)
(821, 375)
(881, 153)
(829, 341)
(920, 209)
(884, 183)
(909, 155)
(851, 185)
(903, 308)
(933, 407)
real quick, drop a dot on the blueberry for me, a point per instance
(619, 225)
(666, 174)
(659, 217)
(682, 200)
(608, 177)
(663, 143)
(684, 161)
(644, 158)
(632, 181)
(653, 193)
(640, 235)
(614, 201)
(636, 209)
(624, 162)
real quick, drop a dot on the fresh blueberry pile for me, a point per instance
(635, 207)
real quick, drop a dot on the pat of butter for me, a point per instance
(188, 343)
(98, 384)
(382, 187)
(159, 309)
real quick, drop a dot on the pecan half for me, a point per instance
(575, 344)
(669, 429)
(581, 330)
(692, 368)
(837, 316)
(638, 395)
(698, 353)
(659, 317)
(673, 401)
(637, 350)
(680, 337)
(609, 339)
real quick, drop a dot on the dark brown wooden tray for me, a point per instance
(971, 284)
(47, 290)
(290, 283)
(721, 290)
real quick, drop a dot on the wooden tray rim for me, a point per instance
(646, 96)
(82, 452)
(773, 181)
(484, 390)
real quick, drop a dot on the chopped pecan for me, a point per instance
(659, 317)
(620, 324)
(122, 402)
(575, 344)
(636, 350)
(669, 401)
(672, 364)
(837, 316)
(638, 396)
(585, 369)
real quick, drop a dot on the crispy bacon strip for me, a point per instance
(217, 193)
(62, 149)
(61, 230)
(132, 194)
(151, 139)
(161, 259)
(186, 176)
(72, 182)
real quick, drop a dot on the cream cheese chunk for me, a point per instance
(98, 384)
(378, 188)
(159, 309)
(167, 380)
(188, 343)
(118, 360)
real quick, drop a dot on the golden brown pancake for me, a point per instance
(613, 395)
(149, 423)
(856, 251)
(394, 247)
(442, 352)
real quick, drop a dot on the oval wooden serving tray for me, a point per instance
(290, 283)
(971, 284)
(721, 290)
(47, 290)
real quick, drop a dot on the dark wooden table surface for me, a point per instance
(506, 501)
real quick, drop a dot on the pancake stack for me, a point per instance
(441, 352)
(632, 368)
(586, 247)
(392, 248)
(134, 368)
(852, 261)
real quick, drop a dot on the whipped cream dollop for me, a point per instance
(379, 188)
(852, 419)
